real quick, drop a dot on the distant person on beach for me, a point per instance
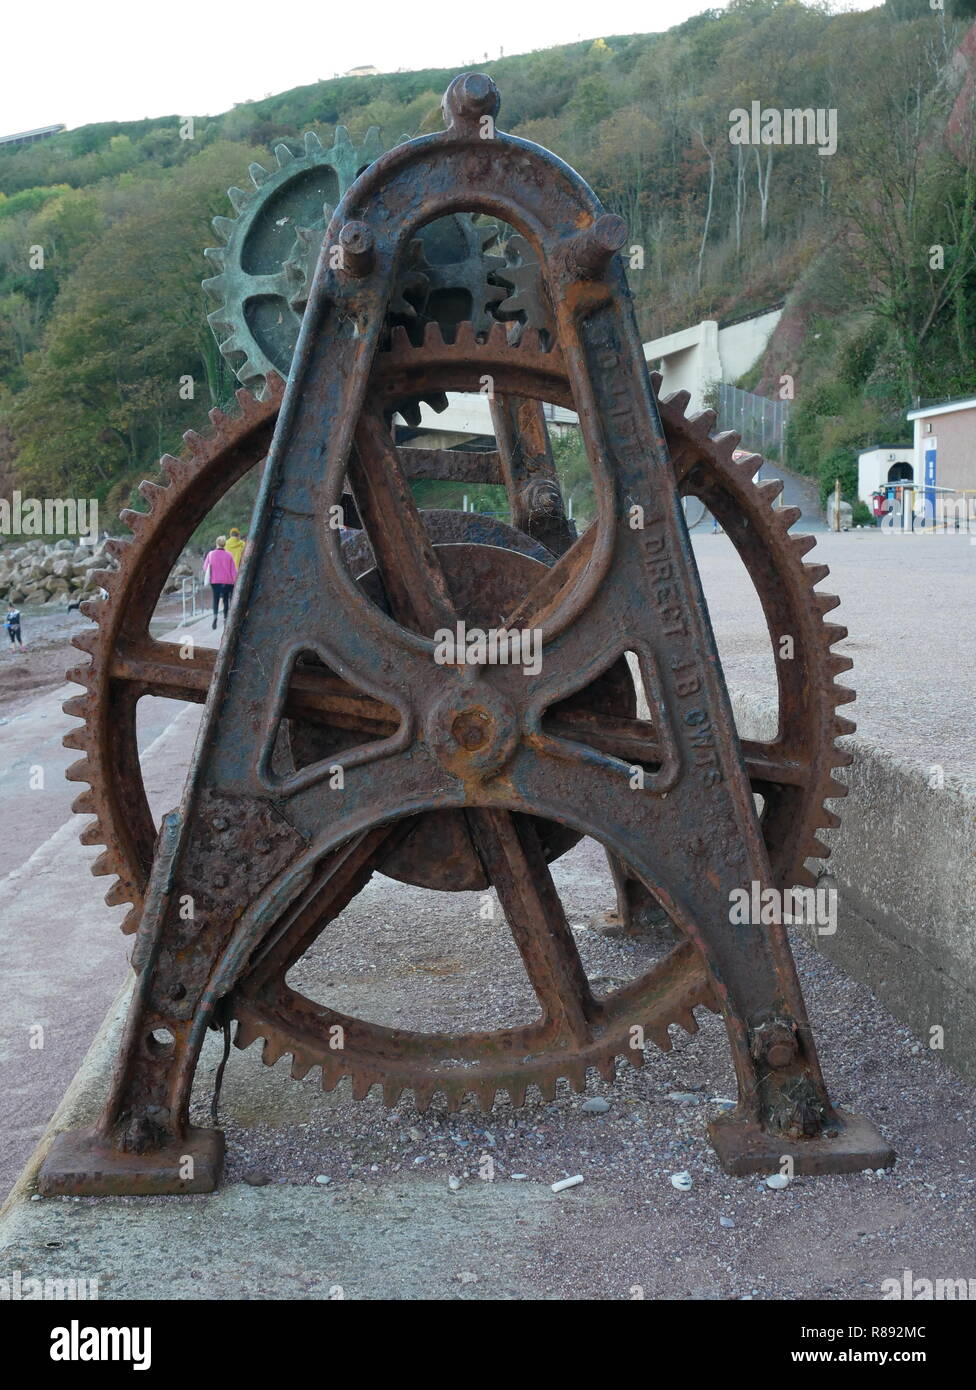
(12, 623)
(220, 572)
(235, 546)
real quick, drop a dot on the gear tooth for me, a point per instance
(433, 337)
(77, 706)
(392, 1091)
(332, 1072)
(410, 412)
(79, 675)
(258, 173)
(843, 726)
(312, 143)
(770, 489)
(272, 1051)
(217, 418)
(274, 384)
(677, 401)
(836, 788)
(497, 336)
(607, 1067)
(283, 155)
(788, 516)
(687, 1021)
(546, 1086)
(152, 493)
(217, 256)
(85, 641)
(136, 521)
(437, 401)
(239, 197)
(131, 920)
(76, 739)
(816, 849)
(576, 1076)
(830, 820)
(104, 864)
(454, 1092)
(836, 632)
(214, 286)
(635, 1056)
(826, 602)
(118, 894)
(802, 543)
(816, 573)
(702, 424)
(80, 771)
(837, 665)
(485, 1095)
(749, 466)
(422, 1096)
(175, 470)
(92, 833)
(362, 1085)
(516, 1093)
(372, 145)
(656, 379)
(340, 140)
(246, 1033)
(84, 804)
(661, 1038)
(727, 442)
(843, 695)
(224, 227)
(91, 608)
(464, 337)
(399, 339)
(804, 878)
(194, 442)
(301, 1065)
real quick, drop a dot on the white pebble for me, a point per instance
(567, 1182)
(467, 1277)
(323, 1179)
(520, 1177)
(682, 1181)
(454, 1183)
(596, 1106)
(777, 1181)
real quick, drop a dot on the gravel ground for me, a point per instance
(626, 1226)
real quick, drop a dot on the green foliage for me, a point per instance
(93, 345)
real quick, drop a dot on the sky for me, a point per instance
(121, 60)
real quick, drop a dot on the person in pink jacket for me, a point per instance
(220, 572)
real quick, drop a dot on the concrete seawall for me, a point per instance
(904, 864)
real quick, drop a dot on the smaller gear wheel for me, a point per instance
(259, 274)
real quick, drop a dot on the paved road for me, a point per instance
(909, 601)
(62, 956)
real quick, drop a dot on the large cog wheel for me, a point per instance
(794, 771)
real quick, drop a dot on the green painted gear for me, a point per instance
(265, 268)
(256, 323)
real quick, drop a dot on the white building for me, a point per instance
(883, 463)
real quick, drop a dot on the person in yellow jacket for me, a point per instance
(235, 545)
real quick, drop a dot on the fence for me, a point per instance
(761, 423)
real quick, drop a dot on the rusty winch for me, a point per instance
(335, 741)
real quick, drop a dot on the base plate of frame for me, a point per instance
(851, 1146)
(80, 1163)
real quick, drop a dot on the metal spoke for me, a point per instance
(513, 860)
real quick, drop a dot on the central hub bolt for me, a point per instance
(472, 728)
